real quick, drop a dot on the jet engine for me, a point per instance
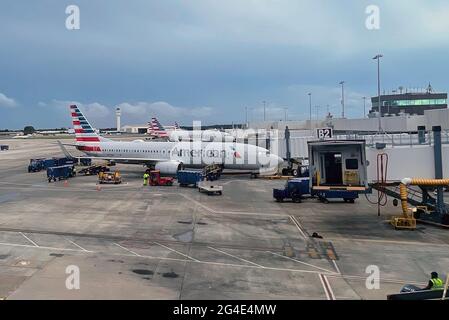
(169, 168)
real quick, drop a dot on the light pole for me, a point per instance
(310, 110)
(342, 99)
(286, 114)
(264, 110)
(246, 117)
(364, 107)
(378, 89)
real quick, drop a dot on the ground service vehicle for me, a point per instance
(94, 170)
(109, 177)
(210, 189)
(36, 165)
(189, 177)
(57, 162)
(60, 173)
(157, 180)
(295, 189)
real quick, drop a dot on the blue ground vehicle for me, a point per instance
(57, 162)
(40, 164)
(299, 188)
(36, 165)
(295, 189)
(61, 172)
(346, 195)
(189, 178)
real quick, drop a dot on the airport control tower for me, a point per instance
(118, 114)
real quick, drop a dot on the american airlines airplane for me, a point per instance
(169, 157)
(157, 130)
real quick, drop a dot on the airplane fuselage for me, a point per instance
(190, 154)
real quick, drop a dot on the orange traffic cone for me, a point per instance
(66, 183)
(98, 187)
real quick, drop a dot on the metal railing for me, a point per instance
(397, 139)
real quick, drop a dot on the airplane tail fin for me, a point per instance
(157, 129)
(84, 133)
(177, 126)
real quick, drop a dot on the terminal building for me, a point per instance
(412, 103)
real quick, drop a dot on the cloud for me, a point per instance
(97, 113)
(142, 111)
(132, 113)
(327, 98)
(7, 102)
(94, 109)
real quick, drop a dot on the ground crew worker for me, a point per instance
(435, 283)
(146, 176)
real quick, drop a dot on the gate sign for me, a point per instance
(324, 133)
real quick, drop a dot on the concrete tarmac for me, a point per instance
(134, 242)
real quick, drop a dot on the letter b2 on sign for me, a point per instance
(324, 133)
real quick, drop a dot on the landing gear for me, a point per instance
(290, 172)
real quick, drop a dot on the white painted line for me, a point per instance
(232, 212)
(305, 263)
(336, 266)
(329, 288)
(178, 252)
(34, 243)
(256, 267)
(332, 275)
(324, 286)
(38, 247)
(77, 245)
(241, 259)
(136, 254)
(409, 243)
(298, 225)
(363, 278)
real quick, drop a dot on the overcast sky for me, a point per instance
(206, 60)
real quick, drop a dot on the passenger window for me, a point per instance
(352, 164)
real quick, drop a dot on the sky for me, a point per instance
(208, 60)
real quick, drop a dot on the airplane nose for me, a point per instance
(276, 160)
(280, 160)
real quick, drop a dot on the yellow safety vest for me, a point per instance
(437, 284)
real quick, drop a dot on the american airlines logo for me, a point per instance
(206, 153)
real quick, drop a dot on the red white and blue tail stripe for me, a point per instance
(156, 129)
(85, 135)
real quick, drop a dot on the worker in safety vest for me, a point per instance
(435, 283)
(146, 176)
